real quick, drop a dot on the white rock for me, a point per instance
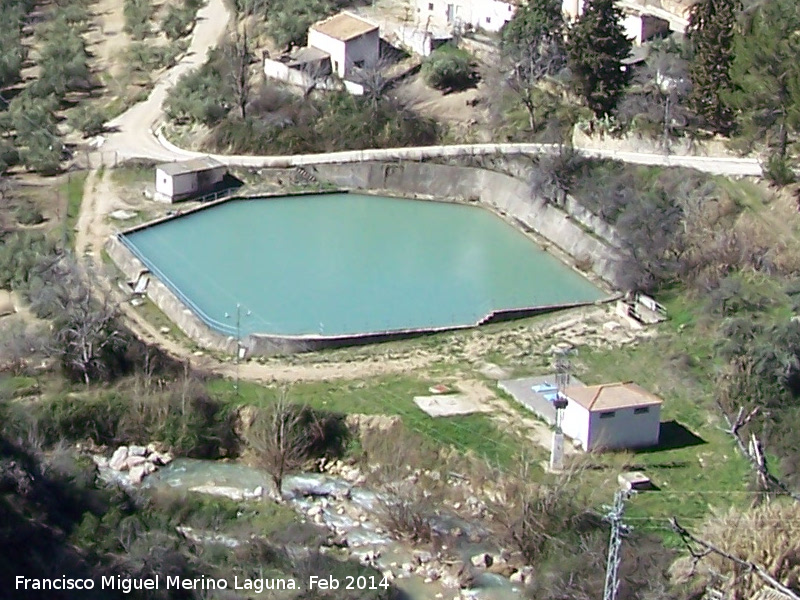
(166, 458)
(117, 461)
(314, 510)
(422, 556)
(152, 447)
(516, 577)
(100, 461)
(483, 560)
(340, 510)
(439, 595)
(137, 450)
(259, 491)
(457, 505)
(407, 567)
(136, 474)
(149, 468)
(427, 580)
(388, 575)
(528, 579)
(134, 461)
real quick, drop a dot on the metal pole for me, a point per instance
(614, 543)
(238, 345)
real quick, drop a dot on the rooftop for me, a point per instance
(189, 166)
(610, 396)
(344, 26)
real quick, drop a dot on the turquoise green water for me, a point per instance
(336, 264)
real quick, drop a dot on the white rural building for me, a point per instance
(350, 41)
(612, 416)
(179, 180)
(436, 15)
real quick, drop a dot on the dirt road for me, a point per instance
(133, 130)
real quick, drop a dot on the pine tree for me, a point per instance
(596, 47)
(711, 29)
(765, 73)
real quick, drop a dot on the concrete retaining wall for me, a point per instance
(504, 194)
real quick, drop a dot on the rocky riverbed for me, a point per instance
(462, 562)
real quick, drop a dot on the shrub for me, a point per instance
(451, 69)
(178, 21)
(778, 171)
(28, 214)
(88, 119)
(137, 18)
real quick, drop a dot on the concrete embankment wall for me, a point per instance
(568, 234)
(507, 195)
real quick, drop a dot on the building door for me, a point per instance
(450, 13)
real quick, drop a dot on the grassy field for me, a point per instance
(394, 395)
(73, 189)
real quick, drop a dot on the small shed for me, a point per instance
(612, 416)
(180, 180)
(350, 41)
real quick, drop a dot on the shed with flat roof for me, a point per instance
(184, 179)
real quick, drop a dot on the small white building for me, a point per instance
(446, 15)
(180, 180)
(612, 416)
(350, 41)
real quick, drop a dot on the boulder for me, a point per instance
(154, 447)
(149, 468)
(502, 569)
(100, 461)
(483, 560)
(136, 474)
(314, 510)
(137, 451)
(516, 577)
(134, 461)
(422, 556)
(117, 461)
(388, 575)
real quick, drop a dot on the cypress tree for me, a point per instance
(596, 47)
(711, 32)
(765, 73)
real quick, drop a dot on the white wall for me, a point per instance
(625, 429)
(575, 423)
(163, 183)
(334, 47)
(490, 15)
(278, 70)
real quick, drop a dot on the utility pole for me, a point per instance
(618, 529)
(563, 368)
(239, 348)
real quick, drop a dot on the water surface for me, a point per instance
(336, 264)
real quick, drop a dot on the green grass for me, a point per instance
(74, 189)
(132, 175)
(392, 395)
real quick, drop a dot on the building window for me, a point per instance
(509, 8)
(430, 5)
(488, 19)
(608, 415)
(359, 64)
(641, 411)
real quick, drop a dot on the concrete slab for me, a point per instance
(492, 371)
(449, 405)
(522, 392)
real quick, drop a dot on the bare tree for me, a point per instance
(18, 342)
(315, 73)
(735, 557)
(87, 332)
(238, 58)
(373, 78)
(282, 436)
